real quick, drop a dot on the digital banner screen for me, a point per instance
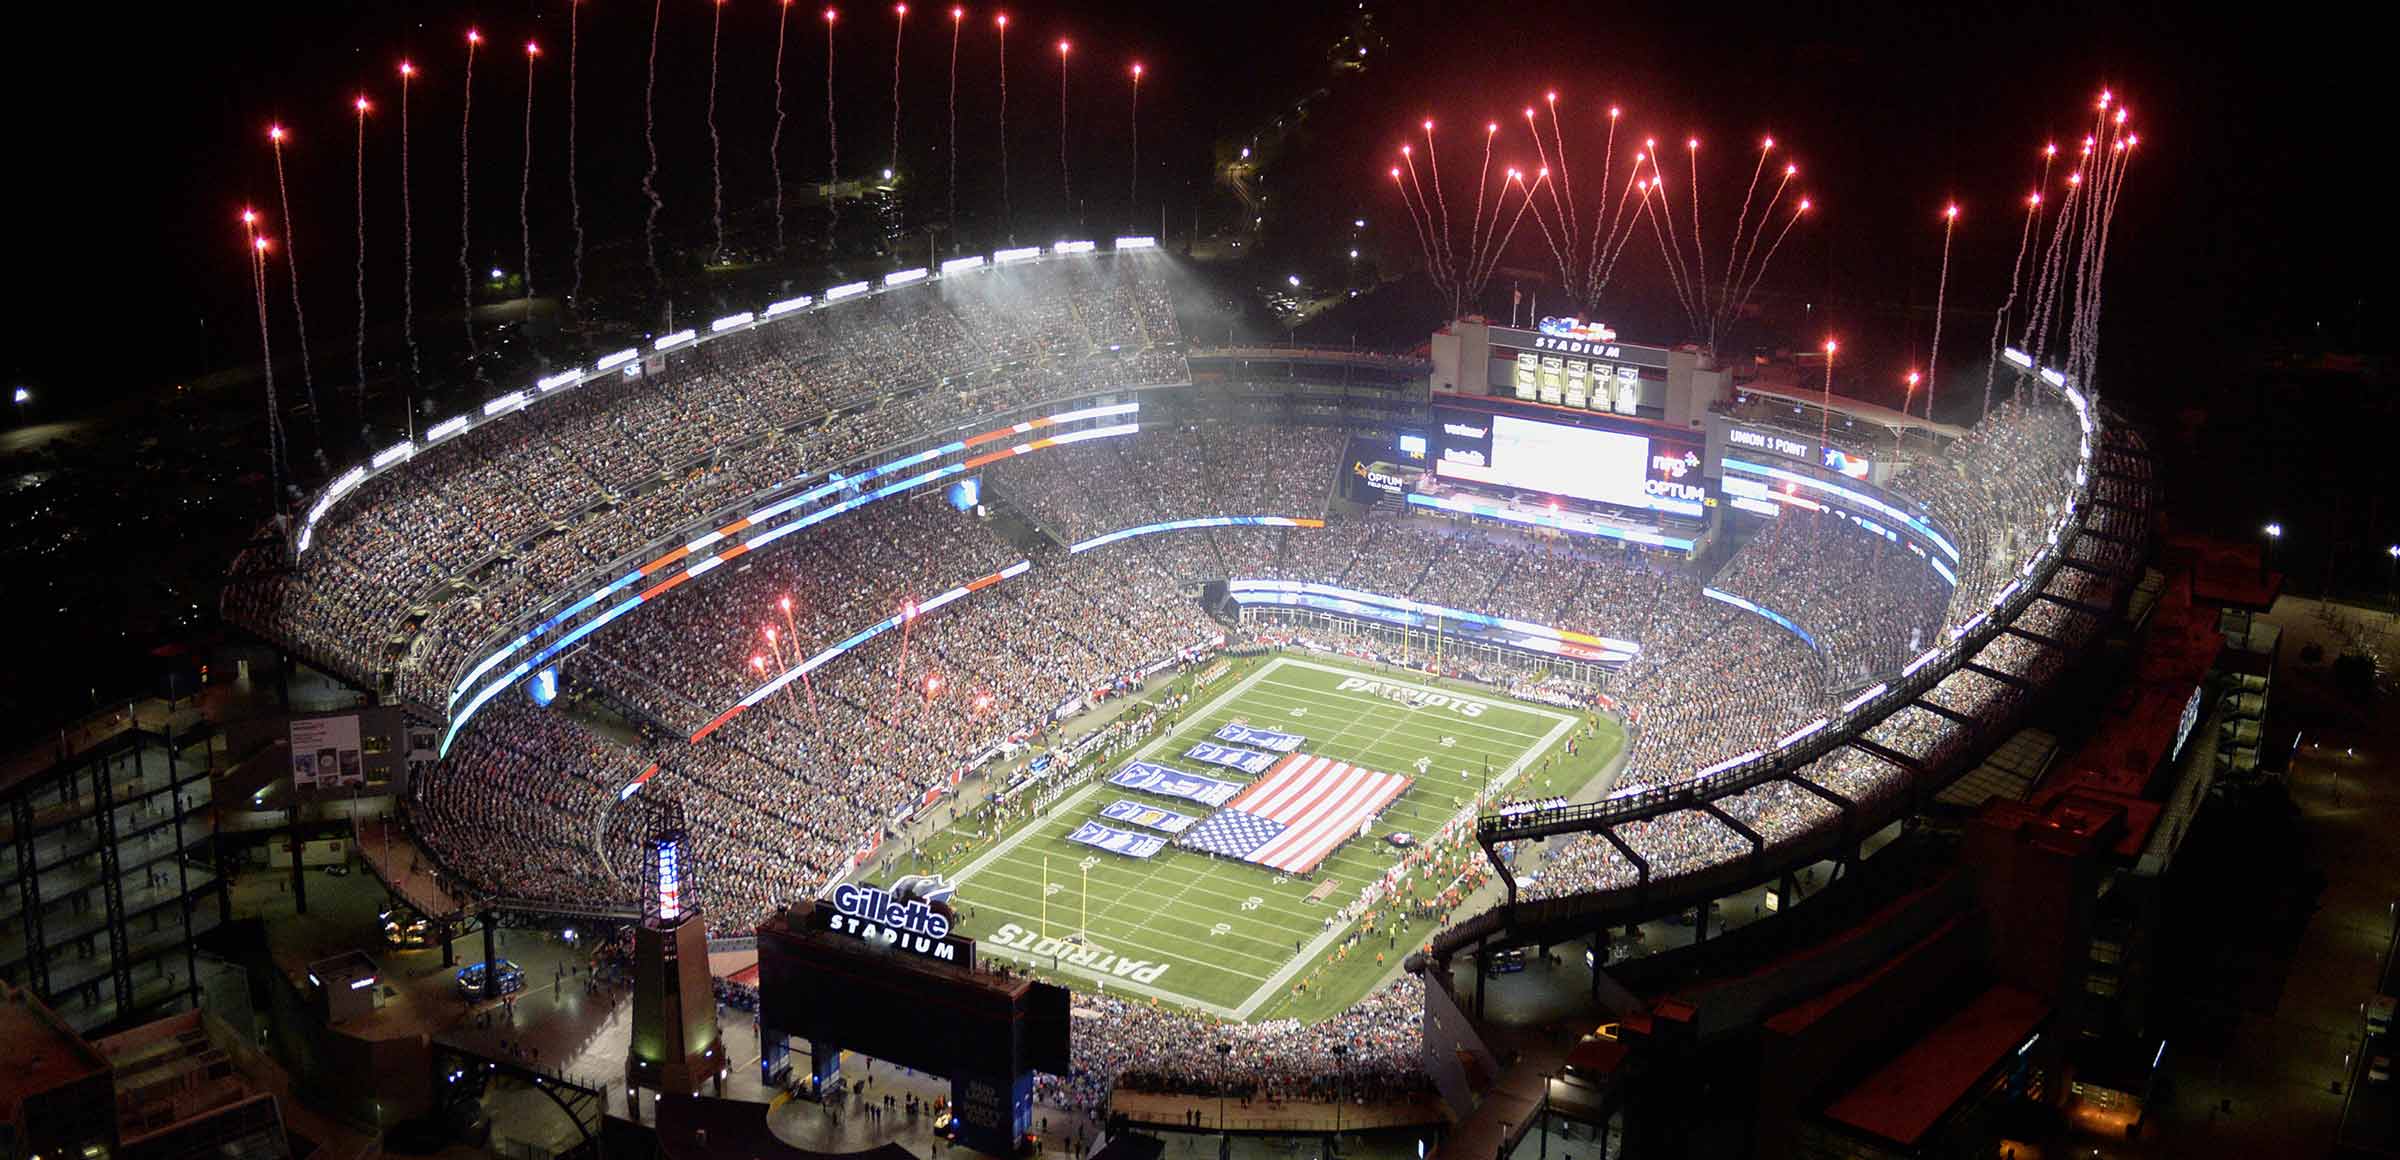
(1577, 462)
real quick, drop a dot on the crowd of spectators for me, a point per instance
(424, 562)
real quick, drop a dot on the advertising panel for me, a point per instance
(325, 751)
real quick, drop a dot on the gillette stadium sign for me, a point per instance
(1574, 338)
(902, 917)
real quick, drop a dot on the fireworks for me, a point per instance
(1066, 178)
(360, 184)
(1933, 361)
(408, 244)
(1133, 172)
(266, 355)
(1461, 276)
(533, 52)
(958, 18)
(833, 137)
(1008, 210)
(783, 15)
(899, 33)
(466, 269)
(650, 139)
(1587, 239)
(574, 191)
(716, 143)
(308, 377)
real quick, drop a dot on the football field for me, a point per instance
(1226, 936)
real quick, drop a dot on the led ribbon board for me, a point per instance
(1108, 538)
(1776, 618)
(1279, 592)
(1811, 483)
(1547, 519)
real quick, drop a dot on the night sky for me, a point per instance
(2239, 226)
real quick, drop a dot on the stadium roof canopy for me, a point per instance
(1857, 409)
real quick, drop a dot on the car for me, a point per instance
(1508, 962)
(470, 979)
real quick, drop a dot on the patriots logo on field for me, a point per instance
(926, 888)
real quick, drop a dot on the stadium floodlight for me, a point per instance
(616, 360)
(959, 265)
(1863, 697)
(2053, 378)
(2274, 531)
(788, 305)
(671, 341)
(846, 290)
(1923, 659)
(730, 321)
(1801, 734)
(1294, 279)
(1073, 248)
(1018, 254)
(392, 454)
(1143, 243)
(23, 396)
(904, 277)
(1733, 762)
(563, 378)
(446, 428)
(508, 402)
(2018, 357)
(349, 479)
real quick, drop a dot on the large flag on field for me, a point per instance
(1117, 841)
(1262, 738)
(1231, 756)
(1292, 818)
(1159, 779)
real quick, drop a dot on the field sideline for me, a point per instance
(1230, 938)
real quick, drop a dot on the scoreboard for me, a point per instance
(1592, 460)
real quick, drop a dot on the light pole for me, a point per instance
(2266, 561)
(2394, 553)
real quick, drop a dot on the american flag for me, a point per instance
(1293, 817)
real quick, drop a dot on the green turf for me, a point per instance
(1224, 931)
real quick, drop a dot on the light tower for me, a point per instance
(676, 1046)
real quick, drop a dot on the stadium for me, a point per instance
(1389, 685)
